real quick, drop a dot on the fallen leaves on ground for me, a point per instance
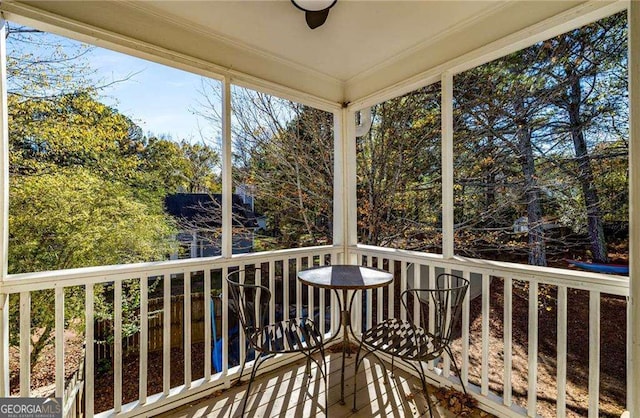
(460, 404)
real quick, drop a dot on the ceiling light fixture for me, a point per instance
(316, 11)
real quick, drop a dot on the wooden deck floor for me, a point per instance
(288, 392)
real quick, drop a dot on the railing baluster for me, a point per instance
(298, 288)
(241, 336)
(446, 361)
(508, 340)
(416, 285)
(533, 348)
(322, 302)
(89, 371)
(207, 323)
(59, 342)
(561, 360)
(485, 335)
(272, 288)
(403, 287)
(391, 310)
(594, 353)
(166, 335)
(369, 292)
(144, 338)
(380, 295)
(25, 344)
(310, 294)
(186, 328)
(117, 342)
(357, 303)
(335, 312)
(310, 298)
(432, 308)
(285, 289)
(465, 333)
(225, 326)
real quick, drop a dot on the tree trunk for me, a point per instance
(537, 247)
(585, 175)
(39, 345)
(490, 179)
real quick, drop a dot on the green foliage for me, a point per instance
(72, 218)
(86, 187)
(73, 130)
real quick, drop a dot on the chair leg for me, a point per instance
(307, 369)
(244, 362)
(258, 361)
(457, 369)
(423, 380)
(325, 375)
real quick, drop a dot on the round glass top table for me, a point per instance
(345, 278)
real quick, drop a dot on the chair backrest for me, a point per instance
(249, 300)
(439, 309)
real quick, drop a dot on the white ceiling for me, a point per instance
(364, 47)
(357, 36)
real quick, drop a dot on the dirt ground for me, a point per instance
(43, 374)
(613, 350)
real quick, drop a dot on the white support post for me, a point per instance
(207, 324)
(4, 350)
(4, 216)
(447, 164)
(227, 179)
(117, 346)
(186, 329)
(339, 181)
(59, 341)
(143, 363)
(25, 344)
(633, 369)
(89, 352)
(347, 197)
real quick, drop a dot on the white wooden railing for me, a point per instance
(287, 262)
(416, 264)
(408, 268)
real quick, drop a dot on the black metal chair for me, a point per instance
(411, 340)
(297, 335)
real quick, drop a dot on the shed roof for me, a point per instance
(205, 209)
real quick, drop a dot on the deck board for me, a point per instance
(289, 392)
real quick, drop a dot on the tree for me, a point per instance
(283, 155)
(72, 218)
(75, 193)
(514, 115)
(585, 69)
(200, 164)
(169, 167)
(399, 173)
(73, 130)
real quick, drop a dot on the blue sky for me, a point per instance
(158, 98)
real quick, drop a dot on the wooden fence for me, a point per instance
(104, 328)
(73, 399)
